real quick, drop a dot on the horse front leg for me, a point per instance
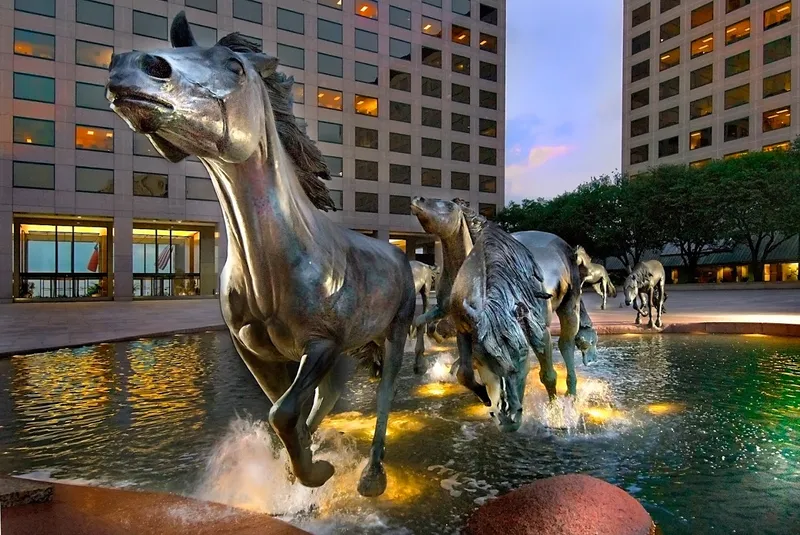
(650, 304)
(465, 373)
(660, 304)
(604, 291)
(569, 318)
(329, 391)
(547, 373)
(419, 350)
(285, 415)
(638, 306)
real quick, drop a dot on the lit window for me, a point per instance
(670, 29)
(668, 147)
(94, 138)
(34, 132)
(737, 64)
(777, 15)
(783, 145)
(776, 119)
(639, 154)
(640, 126)
(667, 118)
(734, 155)
(459, 180)
(36, 88)
(460, 35)
(640, 71)
(487, 184)
(366, 105)
(431, 27)
(699, 164)
(640, 98)
(700, 138)
(488, 43)
(669, 88)
(702, 76)
(640, 15)
(737, 129)
(329, 98)
(777, 84)
(669, 59)
(703, 45)
(738, 31)
(460, 64)
(733, 5)
(737, 96)
(702, 14)
(93, 54)
(431, 178)
(35, 44)
(366, 8)
(399, 17)
(778, 49)
(291, 56)
(701, 107)
(335, 4)
(34, 175)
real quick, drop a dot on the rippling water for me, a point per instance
(703, 430)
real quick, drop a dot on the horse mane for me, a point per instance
(476, 222)
(637, 275)
(513, 312)
(583, 256)
(309, 163)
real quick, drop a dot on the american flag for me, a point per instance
(163, 257)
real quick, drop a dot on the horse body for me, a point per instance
(596, 276)
(646, 282)
(298, 293)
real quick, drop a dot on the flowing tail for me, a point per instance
(612, 290)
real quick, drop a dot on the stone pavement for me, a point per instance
(29, 327)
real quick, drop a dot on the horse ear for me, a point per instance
(265, 65)
(180, 33)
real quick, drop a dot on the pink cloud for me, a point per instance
(520, 177)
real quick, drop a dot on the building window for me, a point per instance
(640, 98)
(461, 7)
(640, 126)
(669, 59)
(460, 64)
(94, 138)
(366, 8)
(431, 178)
(205, 5)
(461, 94)
(432, 148)
(36, 88)
(298, 93)
(329, 31)
(487, 99)
(204, 35)
(337, 197)
(487, 210)
(200, 189)
(778, 49)
(487, 156)
(670, 29)
(701, 46)
(459, 180)
(366, 73)
(431, 57)
(459, 122)
(335, 166)
(738, 31)
(431, 117)
(149, 25)
(460, 35)
(95, 14)
(93, 54)
(488, 14)
(34, 175)
(777, 84)
(459, 152)
(488, 71)
(666, 5)
(640, 71)
(248, 10)
(400, 80)
(783, 145)
(432, 27)
(291, 56)
(699, 164)
(701, 107)
(301, 124)
(34, 132)
(702, 76)
(366, 138)
(700, 138)
(329, 98)
(737, 129)
(365, 105)
(366, 170)
(640, 15)
(434, 3)
(399, 17)
(143, 147)
(487, 184)
(640, 43)
(399, 205)
(91, 180)
(367, 202)
(702, 14)
(399, 174)
(366, 40)
(776, 119)
(34, 44)
(669, 88)
(431, 87)
(330, 65)
(91, 96)
(777, 15)
(255, 41)
(335, 4)
(488, 43)
(639, 154)
(399, 143)
(737, 96)
(329, 132)
(733, 5)
(37, 7)
(734, 155)
(399, 49)
(668, 147)
(487, 127)
(150, 185)
(737, 63)
(668, 117)
(294, 22)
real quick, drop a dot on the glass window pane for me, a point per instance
(35, 44)
(399, 174)
(248, 10)
(783, 145)
(399, 17)
(670, 29)
(399, 143)
(701, 107)
(640, 43)
(640, 71)
(459, 151)
(702, 14)
(488, 71)
(150, 185)
(335, 4)
(460, 35)
(737, 129)
(34, 132)
(298, 93)
(487, 156)
(149, 25)
(335, 165)
(459, 180)
(640, 98)
(366, 8)
(329, 31)
(143, 147)
(329, 132)
(431, 57)
(488, 14)
(291, 21)
(366, 138)
(778, 49)
(431, 26)
(330, 65)
(91, 96)
(94, 13)
(431, 178)
(459, 122)
(367, 202)
(200, 189)
(204, 35)
(669, 88)
(400, 111)
(34, 175)
(93, 54)
(487, 99)
(91, 180)
(701, 76)
(400, 80)
(488, 211)
(205, 5)
(366, 73)
(291, 56)
(639, 154)
(737, 96)
(431, 117)
(776, 119)
(733, 5)
(462, 7)
(738, 63)
(460, 93)
(777, 84)
(94, 138)
(460, 64)
(435, 3)
(431, 147)
(778, 15)
(669, 117)
(487, 127)
(366, 40)
(366, 170)
(399, 204)
(669, 59)
(702, 45)
(38, 7)
(38, 88)
(365, 105)
(738, 31)
(668, 147)
(399, 49)
(640, 15)
(337, 197)
(488, 43)
(431, 87)
(666, 5)
(329, 98)
(487, 184)
(700, 138)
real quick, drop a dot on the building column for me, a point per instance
(411, 248)
(123, 258)
(6, 256)
(208, 263)
(382, 235)
(437, 254)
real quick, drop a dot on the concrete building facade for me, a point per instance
(404, 98)
(708, 79)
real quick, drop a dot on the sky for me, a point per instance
(563, 94)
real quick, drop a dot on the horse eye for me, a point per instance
(235, 66)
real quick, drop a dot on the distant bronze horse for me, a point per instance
(646, 283)
(424, 275)
(596, 276)
(298, 293)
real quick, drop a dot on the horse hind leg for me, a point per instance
(329, 391)
(569, 318)
(419, 349)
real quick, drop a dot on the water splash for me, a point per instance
(439, 371)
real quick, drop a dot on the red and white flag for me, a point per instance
(94, 260)
(164, 257)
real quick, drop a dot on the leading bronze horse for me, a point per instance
(298, 292)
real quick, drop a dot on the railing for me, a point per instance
(62, 285)
(166, 284)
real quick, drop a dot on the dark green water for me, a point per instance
(703, 430)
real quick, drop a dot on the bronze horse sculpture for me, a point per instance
(646, 283)
(424, 275)
(299, 294)
(596, 276)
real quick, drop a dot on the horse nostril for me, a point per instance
(155, 66)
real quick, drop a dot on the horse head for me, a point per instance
(439, 217)
(630, 288)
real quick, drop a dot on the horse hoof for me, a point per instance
(321, 471)
(373, 480)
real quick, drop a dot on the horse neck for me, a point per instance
(455, 249)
